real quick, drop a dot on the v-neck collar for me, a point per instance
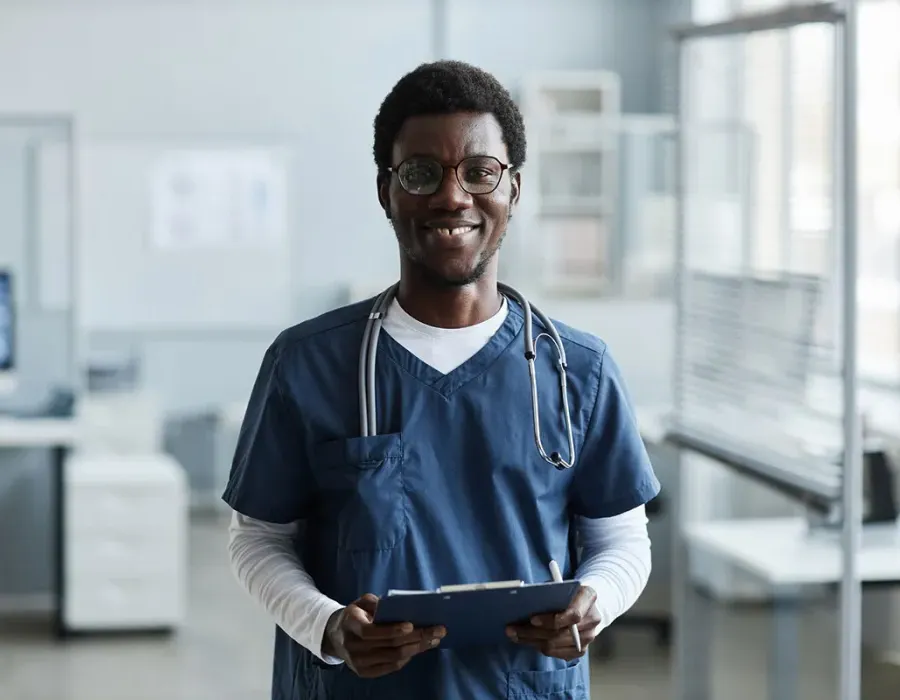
(447, 384)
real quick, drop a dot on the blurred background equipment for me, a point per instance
(7, 332)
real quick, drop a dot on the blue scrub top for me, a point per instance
(451, 490)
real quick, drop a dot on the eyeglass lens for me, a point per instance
(476, 175)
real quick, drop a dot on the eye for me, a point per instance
(417, 177)
(417, 173)
(479, 174)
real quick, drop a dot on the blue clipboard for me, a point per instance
(476, 617)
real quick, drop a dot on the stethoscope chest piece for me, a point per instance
(556, 461)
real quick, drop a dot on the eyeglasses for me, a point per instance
(476, 174)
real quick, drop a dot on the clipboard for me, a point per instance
(475, 616)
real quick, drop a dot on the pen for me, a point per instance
(557, 576)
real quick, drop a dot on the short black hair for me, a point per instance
(447, 87)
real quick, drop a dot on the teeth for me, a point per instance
(455, 231)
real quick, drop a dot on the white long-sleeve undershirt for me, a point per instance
(615, 562)
(615, 557)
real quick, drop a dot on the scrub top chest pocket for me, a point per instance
(568, 683)
(361, 487)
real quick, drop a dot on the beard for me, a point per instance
(441, 279)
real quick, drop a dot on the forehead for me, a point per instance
(450, 137)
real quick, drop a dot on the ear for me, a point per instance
(383, 186)
(515, 190)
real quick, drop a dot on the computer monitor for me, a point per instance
(7, 332)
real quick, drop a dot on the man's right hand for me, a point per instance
(372, 650)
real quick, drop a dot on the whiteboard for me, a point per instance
(214, 199)
(136, 274)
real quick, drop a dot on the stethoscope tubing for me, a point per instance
(367, 358)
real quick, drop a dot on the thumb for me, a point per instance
(368, 603)
(579, 609)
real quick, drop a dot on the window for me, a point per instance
(879, 192)
(765, 100)
(785, 97)
(878, 165)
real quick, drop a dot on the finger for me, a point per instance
(565, 642)
(355, 619)
(555, 638)
(385, 633)
(587, 633)
(581, 605)
(369, 603)
(530, 634)
(555, 647)
(393, 657)
(560, 647)
(567, 655)
(419, 635)
(368, 644)
(547, 621)
(359, 623)
(381, 669)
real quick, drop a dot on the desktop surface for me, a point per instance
(784, 551)
(17, 432)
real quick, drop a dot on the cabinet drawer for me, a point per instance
(116, 554)
(94, 508)
(123, 602)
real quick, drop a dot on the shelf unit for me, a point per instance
(570, 201)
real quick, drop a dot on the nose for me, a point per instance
(450, 196)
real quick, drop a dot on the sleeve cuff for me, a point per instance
(606, 617)
(317, 632)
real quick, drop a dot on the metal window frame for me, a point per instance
(843, 15)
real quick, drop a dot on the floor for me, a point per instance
(223, 653)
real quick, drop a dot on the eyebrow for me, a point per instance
(477, 154)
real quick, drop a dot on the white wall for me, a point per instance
(309, 74)
(510, 38)
(251, 71)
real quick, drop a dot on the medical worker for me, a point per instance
(451, 489)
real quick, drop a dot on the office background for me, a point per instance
(158, 344)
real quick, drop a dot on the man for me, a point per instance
(451, 489)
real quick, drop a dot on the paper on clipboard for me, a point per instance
(456, 588)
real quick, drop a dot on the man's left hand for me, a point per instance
(552, 634)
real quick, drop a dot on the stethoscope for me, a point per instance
(369, 347)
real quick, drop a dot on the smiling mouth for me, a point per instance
(450, 237)
(456, 231)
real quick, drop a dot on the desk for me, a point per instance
(58, 435)
(778, 551)
(784, 555)
(24, 433)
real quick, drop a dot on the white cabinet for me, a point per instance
(125, 549)
(570, 193)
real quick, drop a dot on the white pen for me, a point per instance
(557, 576)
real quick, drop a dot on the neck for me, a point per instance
(444, 306)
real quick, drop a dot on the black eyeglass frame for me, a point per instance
(395, 170)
